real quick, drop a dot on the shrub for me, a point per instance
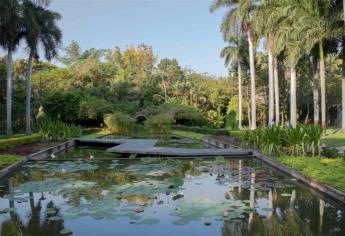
(181, 114)
(62, 106)
(19, 140)
(277, 140)
(231, 123)
(93, 108)
(57, 130)
(119, 123)
(159, 124)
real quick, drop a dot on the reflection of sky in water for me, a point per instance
(205, 188)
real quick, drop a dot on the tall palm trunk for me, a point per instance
(343, 82)
(293, 101)
(343, 96)
(252, 81)
(315, 87)
(28, 95)
(276, 89)
(9, 131)
(270, 88)
(323, 87)
(239, 95)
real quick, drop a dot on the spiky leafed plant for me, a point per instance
(239, 12)
(40, 29)
(233, 54)
(11, 31)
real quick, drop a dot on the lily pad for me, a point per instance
(150, 221)
(66, 232)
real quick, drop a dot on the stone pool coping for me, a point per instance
(40, 155)
(314, 184)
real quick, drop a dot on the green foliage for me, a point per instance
(231, 123)
(216, 118)
(277, 140)
(182, 114)
(6, 160)
(189, 134)
(159, 124)
(327, 171)
(10, 228)
(119, 123)
(57, 130)
(202, 130)
(63, 106)
(93, 108)
(19, 140)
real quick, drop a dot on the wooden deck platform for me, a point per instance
(148, 147)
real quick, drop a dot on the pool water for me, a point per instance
(161, 197)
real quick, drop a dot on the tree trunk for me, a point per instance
(165, 91)
(9, 131)
(239, 95)
(293, 103)
(343, 89)
(276, 89)
(252, 81)
(343, 82)
(315, 87)
(270, 88)
(28, 96)
(323, 87)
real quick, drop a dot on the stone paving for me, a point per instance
(148, 147)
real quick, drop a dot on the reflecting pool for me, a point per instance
(160, 197)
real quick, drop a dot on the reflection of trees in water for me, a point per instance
(36, 225)
(234, 228)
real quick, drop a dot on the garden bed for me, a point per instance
(29, 148)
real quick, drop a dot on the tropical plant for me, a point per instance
(57, 130)
(159, 124)
(313, 134)
(11, 31)
(40, 28)
(119, 123)
(234, 53)
(239, 14)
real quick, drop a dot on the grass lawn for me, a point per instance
(6, 160)
(327, 171)
(189, 134)
(334, 138)
(17, 140)
(96, 134)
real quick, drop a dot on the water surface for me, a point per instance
(160, 197)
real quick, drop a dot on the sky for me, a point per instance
(181, 29)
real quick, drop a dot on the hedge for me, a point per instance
(19, 140)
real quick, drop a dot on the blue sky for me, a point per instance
(181, 29)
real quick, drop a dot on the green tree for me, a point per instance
(11, 31)
(240, 11)
(40, 28)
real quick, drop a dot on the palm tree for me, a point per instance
(343, 85)
(11, 31)
(40, 28)
(233, 54)
(240, 12)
